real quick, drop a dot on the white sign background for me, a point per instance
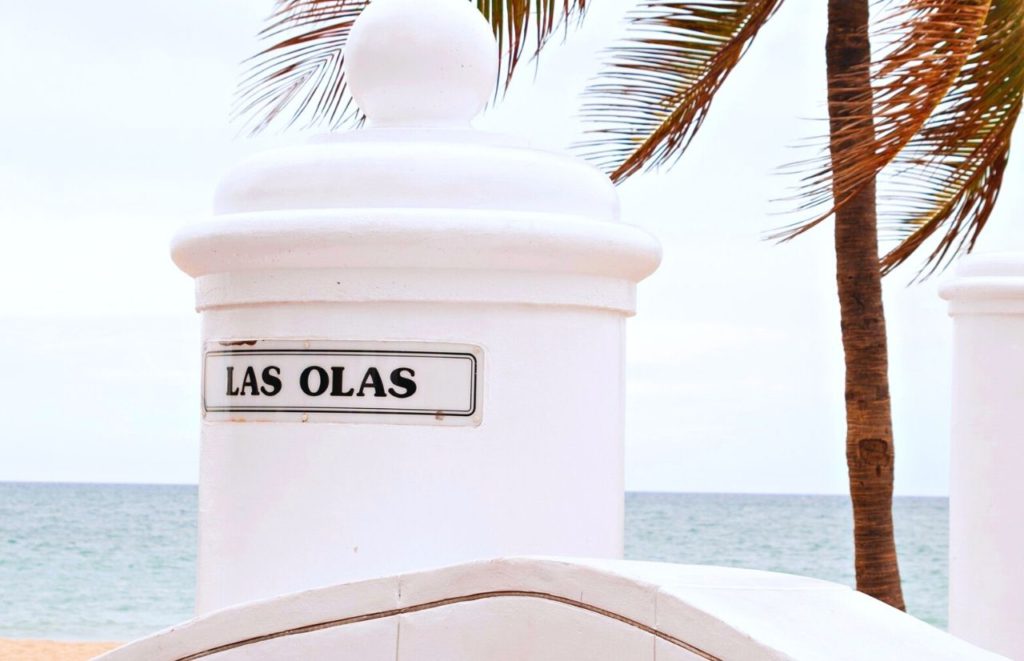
(446, 378)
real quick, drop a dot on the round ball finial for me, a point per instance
(421, 62)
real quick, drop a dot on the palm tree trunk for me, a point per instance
(869, 443)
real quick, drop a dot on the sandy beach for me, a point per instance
(50, 650)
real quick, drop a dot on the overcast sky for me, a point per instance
(114, 132)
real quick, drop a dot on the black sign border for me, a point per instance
(343, 352)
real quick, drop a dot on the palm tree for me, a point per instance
(937, 106)
(935, 100)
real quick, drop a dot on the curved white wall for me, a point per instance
(560, 610)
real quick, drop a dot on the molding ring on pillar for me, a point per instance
(416, 238)
(414, 286)
(987, 284)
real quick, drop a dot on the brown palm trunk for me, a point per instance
(869, 443)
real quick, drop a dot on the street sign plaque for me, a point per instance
(340, 381)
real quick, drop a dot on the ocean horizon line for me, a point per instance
(628, 491)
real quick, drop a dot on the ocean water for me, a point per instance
(115, 562)
(806, 535)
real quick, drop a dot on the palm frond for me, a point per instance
(657, 86)
(300, 75)
(924, 43)
(951, 172)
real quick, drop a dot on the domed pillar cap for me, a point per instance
(418, 188)
(421, 62)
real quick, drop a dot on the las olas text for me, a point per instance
(319, 381)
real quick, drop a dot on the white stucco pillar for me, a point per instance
(412, 334)
(986, 490)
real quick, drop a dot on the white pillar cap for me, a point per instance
(418, 187)
(987, 283)
(421, 62)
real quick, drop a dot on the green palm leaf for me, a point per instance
(925, 43)
(657, 86)
(300, 75)
(951, 172)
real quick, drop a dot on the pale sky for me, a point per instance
(114, 132)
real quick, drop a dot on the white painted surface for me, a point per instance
(285, 506)
(517, 628)
(560, 610)
(418, 229)
(986, 492)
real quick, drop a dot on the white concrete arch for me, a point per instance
(548, 610)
